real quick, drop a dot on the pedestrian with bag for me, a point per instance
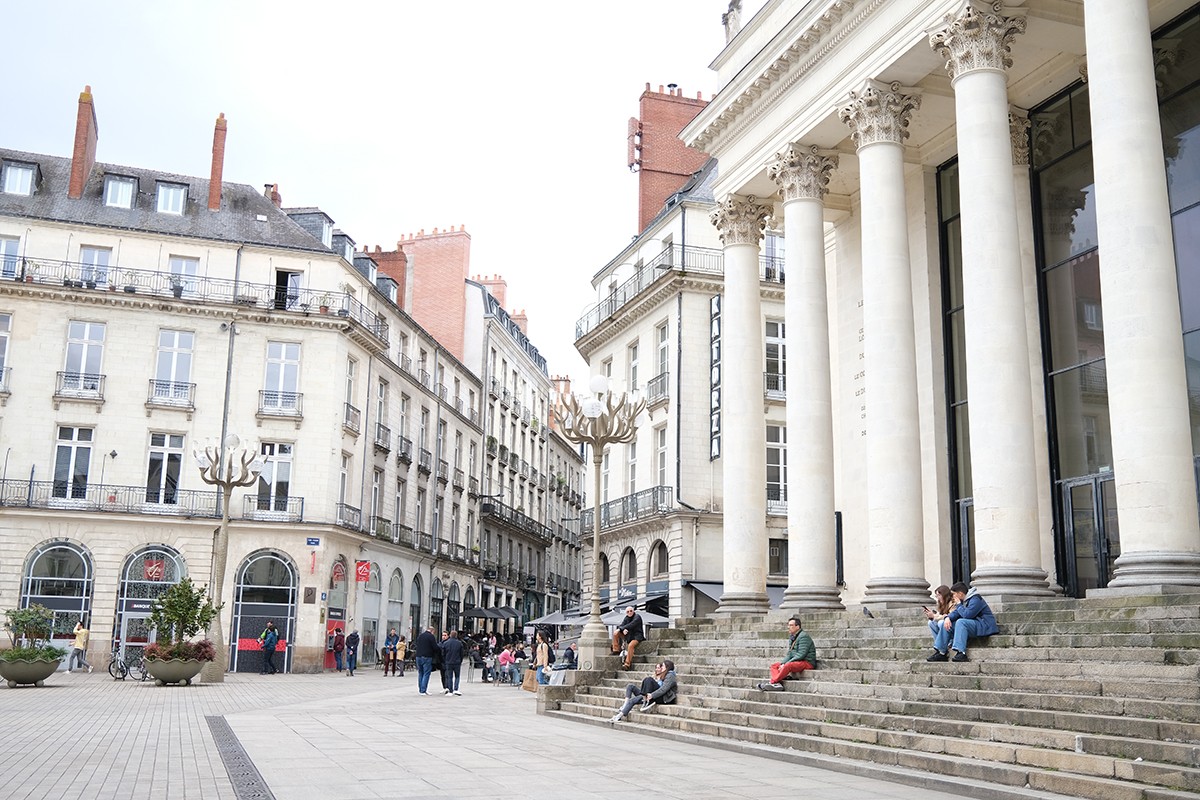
(389, 652)
(268, 640)
(352, 652)
(339, 647)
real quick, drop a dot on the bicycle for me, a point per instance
(133, 664)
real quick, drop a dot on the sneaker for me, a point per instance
(89, 669)
(958, 657)
(445, 691)
(618, 717)
(423, 694)
(649, 704)
(457, 693)
(771, 687)
(938, 655)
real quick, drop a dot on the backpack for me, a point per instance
(550, 650)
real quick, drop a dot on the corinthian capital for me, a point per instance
(979, 37)
(879, 112)
(740, 220)
(1018, 131)
(802, 172)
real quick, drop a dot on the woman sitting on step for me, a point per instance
(943, 605)
(972, 619)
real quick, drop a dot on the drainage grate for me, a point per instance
(248, 784)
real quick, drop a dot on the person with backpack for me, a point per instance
(268, 640)
(352, 652)
(543, 657)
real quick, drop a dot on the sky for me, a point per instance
(392, 117)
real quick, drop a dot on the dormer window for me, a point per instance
(348, 252)
(119, 191)
(327, 233)
(172, 197)
(18, 178)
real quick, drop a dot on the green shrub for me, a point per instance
(179, 614)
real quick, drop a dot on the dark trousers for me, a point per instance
(268, 665)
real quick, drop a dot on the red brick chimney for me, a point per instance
(218, 165)
(496, 286)
(271, 190)
(665, 162)
(83, 156)
(522, 320)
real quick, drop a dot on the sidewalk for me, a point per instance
(337, 738)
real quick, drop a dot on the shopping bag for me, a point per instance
(529, 682)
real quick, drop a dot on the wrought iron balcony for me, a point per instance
(658, 390)
(379, 527)
(774, 386)
(492, 446)
(79, 386)
(402, 534)
(404, 450)
(383, 437)
(424, 377)
(504, 453)
(440, 390)
(280, 508)
(505, 398)
(460, 479)
(406, 364)
(82, 496)
(473, 485)
(515, 519)
(6, 380)
(199, 289)
(675, 259)
(474, 416)
(443, 473)
(272, 403)
(526, 417)
(777, 500)
(425, 461)
(516, 406)
(351, 419)
(513, 459)
(425, 542)
(647, 503)
(172, 394)
(347, 516)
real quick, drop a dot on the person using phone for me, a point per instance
(944, 604)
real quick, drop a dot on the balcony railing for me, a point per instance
(198, 289)
(777, 500)
(657, 389)
(494, 388)
(771, 268)
(425, 461)
(492, 446)
(424, 542)
(383, 437)
(505, 398)
(474, 416)
(347, 516)
(280, 508)
(424, 377)
(443, 474)
(675, 259)
(379, 527)
(647, 503)
(82, 496)
(403, 534)
(775, 385)
(171, 394)
(516, 406)
(473, 485)
(406, 364)
(272, 403)
(460, 478)
(6, 380)
(440, 391)
(79, 385)
(404, 449)
(516, 519)
(351, 419)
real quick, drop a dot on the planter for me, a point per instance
(173, 670)
(324, 309)
(23, 672)
(131, 289)
(177, 290)
(29, 279)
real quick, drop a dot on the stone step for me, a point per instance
(965, 765)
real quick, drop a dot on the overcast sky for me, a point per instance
(509, 118)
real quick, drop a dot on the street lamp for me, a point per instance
(598, 421)
(226, 465)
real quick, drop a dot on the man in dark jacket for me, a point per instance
(659, 688)
(425, 645)
(352, 652)
(452, 658)
(268, 640)
(631, 632)
(971, 618)
(339, 647)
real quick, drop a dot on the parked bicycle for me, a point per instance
(132, 664)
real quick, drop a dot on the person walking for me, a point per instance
(389, 652)
(268, 640)
(452, 658)
(352, 652)
(659, 688)
(426, 644)
(79, 648)
(541, 659)
(339, 647)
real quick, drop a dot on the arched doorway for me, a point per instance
(59, 575)
(414, 608)
(336, 615)
(395, 606)
(453, 609)
(265, 592)
(372, 600)
(436, 600)
(147, 573)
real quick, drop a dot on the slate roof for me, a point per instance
(236, 222)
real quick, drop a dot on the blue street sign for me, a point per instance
(314, 541)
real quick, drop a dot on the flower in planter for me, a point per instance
(180, 613)
(29, 631)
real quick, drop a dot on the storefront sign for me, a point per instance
(154, 569)
(362, 571)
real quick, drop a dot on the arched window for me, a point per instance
(436, 601)
(628, 567)
(395, 606)
(59, 575)
(605, 577)
(414, 608)
(337, 585)
(265, 592)
(453, 609)
(372, 600)
(148, 573)
(659, 562)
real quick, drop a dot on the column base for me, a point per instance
(896, 592)
(214, 671)
(1011, 582)
(742, 603)
(1154, 568)
(594, 645)
(812, 598)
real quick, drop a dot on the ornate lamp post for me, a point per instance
(225, 465)
(598, 421)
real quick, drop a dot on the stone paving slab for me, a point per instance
(328, 737)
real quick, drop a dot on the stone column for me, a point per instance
(878, 118)
(1147, 385)
(744, 456)
(976, 45)
(803, 175)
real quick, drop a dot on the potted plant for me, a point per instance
(176, 286)
(323, 303)
(179, 614)
(32, 658)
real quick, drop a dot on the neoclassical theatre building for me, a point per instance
(952, 328)
(989, 217)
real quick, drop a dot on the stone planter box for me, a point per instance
(173, 670)
(19, 673)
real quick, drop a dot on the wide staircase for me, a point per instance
(1095, 698)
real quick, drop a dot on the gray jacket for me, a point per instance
(667, 692)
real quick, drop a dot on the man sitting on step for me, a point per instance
(631, 633)
(972, 618)
(801, 655)
(659, 688)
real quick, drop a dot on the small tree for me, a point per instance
(29, 632)
(180, 613)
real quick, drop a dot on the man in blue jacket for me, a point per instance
(426, 644)
(972, 618)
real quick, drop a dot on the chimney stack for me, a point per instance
(522, 320)
(497, 287)
(271, 190)
(218, 165)
(83, 156)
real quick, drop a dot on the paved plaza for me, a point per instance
(338, 738)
